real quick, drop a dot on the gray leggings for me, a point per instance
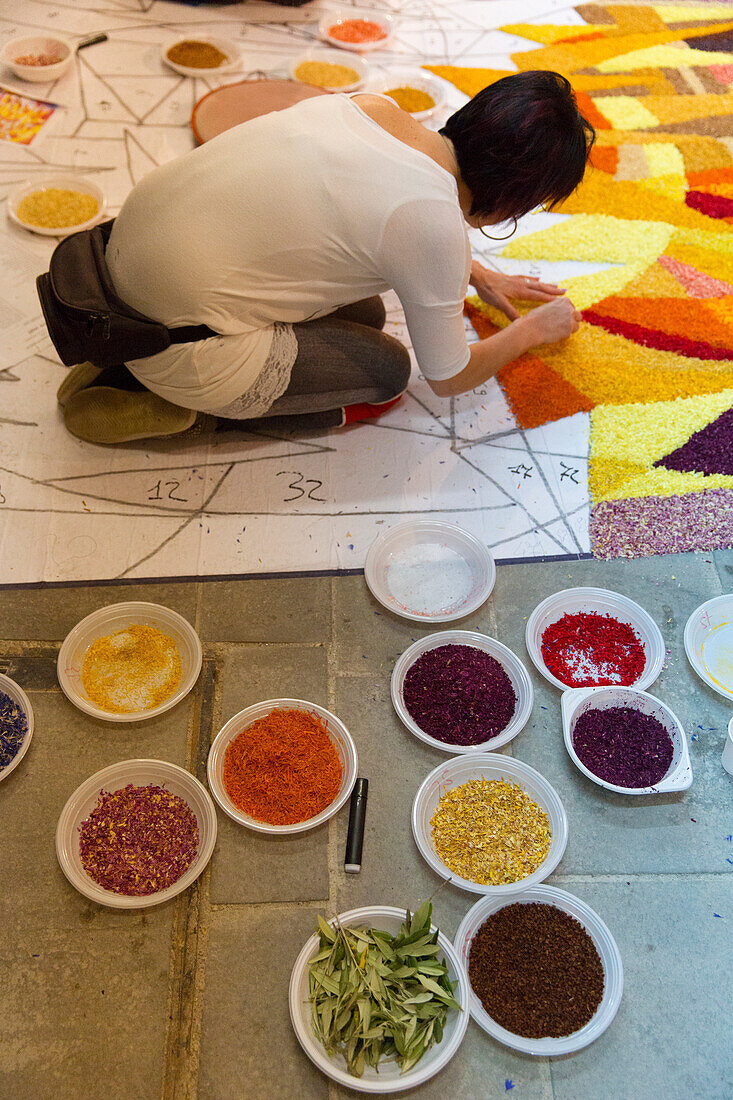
(343, 359)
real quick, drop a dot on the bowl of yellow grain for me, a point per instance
(329, 69)
(56, 206)
(129, 661)
(200, 55)
(414, 90)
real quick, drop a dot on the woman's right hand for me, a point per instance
(552, 322)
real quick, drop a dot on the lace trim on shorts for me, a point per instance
(271, 382)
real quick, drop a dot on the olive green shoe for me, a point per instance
(77, 378)
(101, 414)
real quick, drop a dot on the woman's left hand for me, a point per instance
(496, 289)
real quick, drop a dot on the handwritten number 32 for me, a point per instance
(295, 485)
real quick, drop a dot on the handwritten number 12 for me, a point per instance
(171, 486)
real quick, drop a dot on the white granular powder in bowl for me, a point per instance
(429, 579)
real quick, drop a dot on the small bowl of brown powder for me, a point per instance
(545, 973)
(129, 661)
(200, 55)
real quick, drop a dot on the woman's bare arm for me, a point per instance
(545, 325)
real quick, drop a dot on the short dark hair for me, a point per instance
(520, 143)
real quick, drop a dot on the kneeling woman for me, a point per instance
(281, 233)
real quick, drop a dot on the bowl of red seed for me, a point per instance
(16, 725)
(545, 973)
(625, 740)
(349, 29)
(282, 766)
(591, 637)
(462, 692)
(129, 661)
(135, 834)
(489, 823)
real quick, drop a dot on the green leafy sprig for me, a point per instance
(375, 996)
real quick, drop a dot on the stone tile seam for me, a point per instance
(639, 876)
(189, 943)
(49, 647)
(221, 649)
(267, 906)
(332, 681)
(558, 880)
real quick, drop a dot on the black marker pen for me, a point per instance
(355, 834)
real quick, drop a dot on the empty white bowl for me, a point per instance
(229, 48)
(15, 692)
(709, 643)
(343, 15)
(340, 737)
(429, 571)
(141, 773)
(577, 701)
(412, 78)
(599, 601)
(64, 182)
(488, 766)
(331, 57)
(604, 944)
(36, 45)
(511, 664)
(108, 620)
(389, 1078)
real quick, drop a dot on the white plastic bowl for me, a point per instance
(141, 773)
(35, 45)
(429, 571)
(15, 692)
(342, 15)
(709, 643)
(66, 182)
(605, 946)
(579, 700)
(488, 766)
(389, 1078)
(602, 602)
(412, 78)
(332, 57)
(338, 733)
(226, 45)
(511, 664)
(108, 620)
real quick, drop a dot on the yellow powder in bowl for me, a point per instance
(411, 99)
(132, 670)
(196, 55)
(325, 74)
(56, 208)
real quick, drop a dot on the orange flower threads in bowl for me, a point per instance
(357, 31)
(282, 769)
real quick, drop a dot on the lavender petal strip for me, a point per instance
(662, 525)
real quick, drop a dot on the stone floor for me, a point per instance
(189, 1000)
